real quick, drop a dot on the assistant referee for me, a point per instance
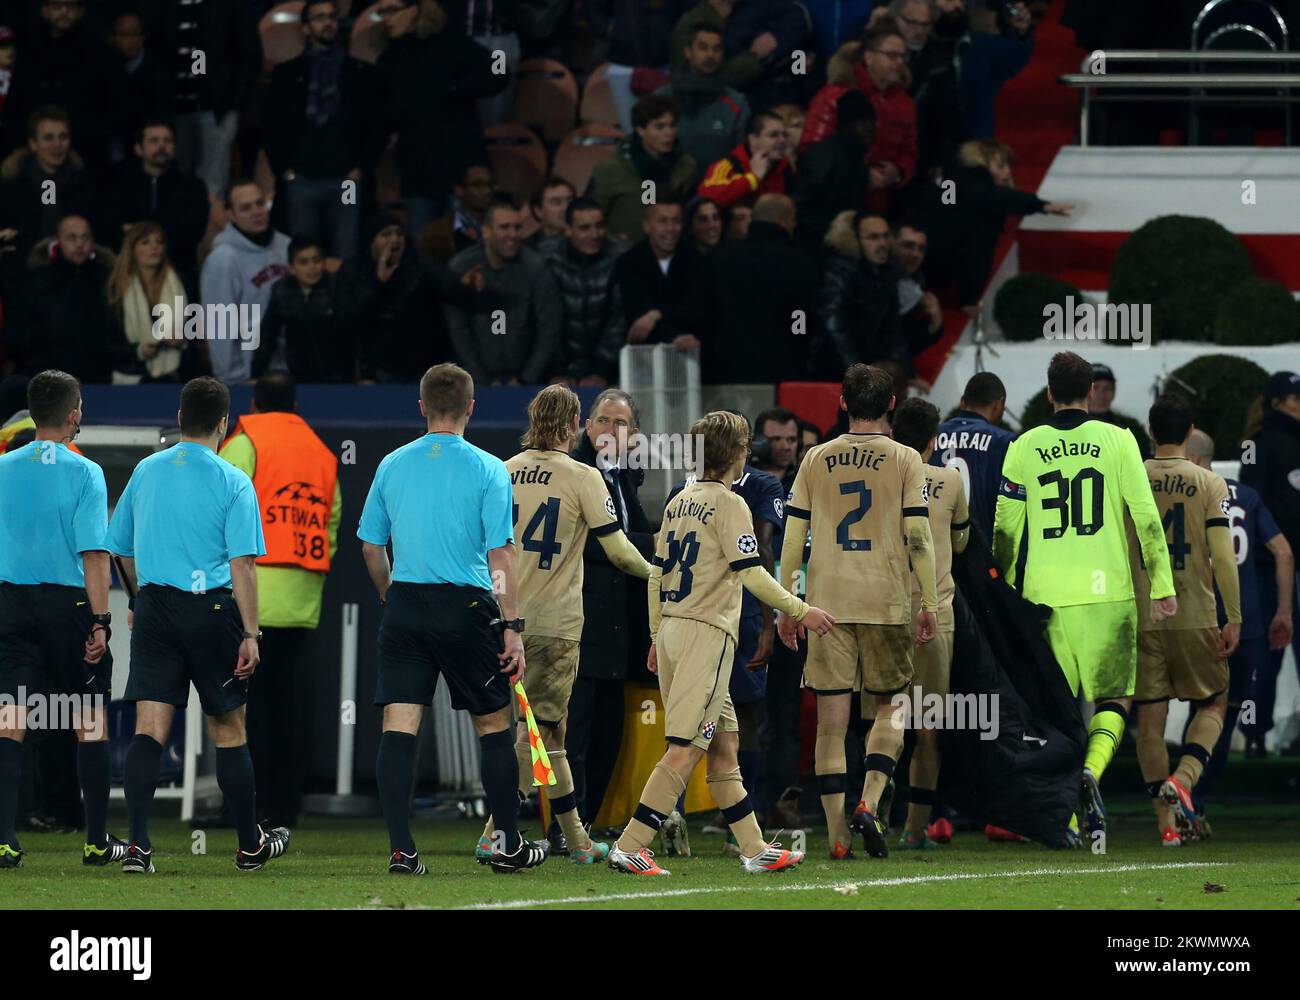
(189, 530)
(54, 621)
(447, 508)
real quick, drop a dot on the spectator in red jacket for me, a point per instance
(757, 166)
(876, 65)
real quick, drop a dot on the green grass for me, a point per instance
(341, 864)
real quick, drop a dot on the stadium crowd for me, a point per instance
(800, 156)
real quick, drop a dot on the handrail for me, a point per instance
(1180, 55)
(1230, 81)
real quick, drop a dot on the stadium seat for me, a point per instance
(546, 98)
(518, 159)
(598, 100)
(281, 32)
(579, 152)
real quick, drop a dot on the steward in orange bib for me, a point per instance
(295, 476)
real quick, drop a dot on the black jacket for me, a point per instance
(616, 630)
(964, 235)
(684, 295)
(23, 207)
(761, 282)
(396, 328)
(859, 314)
(431, 85)
(833, 177)
(72, 72)
(639, 31)
(286, 109)
(176, 200)
(1275, 473)
(233, 50)
(64, 321)
(593, 330)
(317, 348)
(136, 97)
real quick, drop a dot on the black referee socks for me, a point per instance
(235, 779)
(11, 772)
(143, 758)
(92, 769)
(394, 770)
(501, 785)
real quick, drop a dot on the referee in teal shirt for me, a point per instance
(189, 531)
(54, 621)
(447, 508)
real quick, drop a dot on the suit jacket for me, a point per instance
(616, 630)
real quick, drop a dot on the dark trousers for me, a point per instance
(593, 739)
(1263, 691)
(780, 740)
(279, 721)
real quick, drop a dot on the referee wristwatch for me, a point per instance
(513, 624)
(253, 635)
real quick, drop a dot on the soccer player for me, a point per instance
(1252, 528)
(1065, 487)
(54, 620)
(1185, 656)
(971, 442)
(188, 530)
(863, 497)
(705, 553)
(446, 507)
(916, 423)
(765, 497)
(556, 502)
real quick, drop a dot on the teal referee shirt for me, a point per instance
(444, 504)
(53, 507)
(185, 513)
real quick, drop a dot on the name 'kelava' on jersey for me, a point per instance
(1068, 449)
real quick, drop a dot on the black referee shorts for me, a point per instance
(432, 630)
(181, 638)
(43, 633)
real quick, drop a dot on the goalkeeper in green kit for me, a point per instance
(1066, 485)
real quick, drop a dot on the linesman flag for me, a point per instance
(542, 773)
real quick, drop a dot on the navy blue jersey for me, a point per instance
(1252, 527)
(975, 448)
(765, 497)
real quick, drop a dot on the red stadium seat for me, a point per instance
(546, 98)
(579, 152)
(817, 402)
(518, 159)
(598, 100)
(281, 31)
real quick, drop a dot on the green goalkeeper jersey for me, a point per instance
(1066, 484)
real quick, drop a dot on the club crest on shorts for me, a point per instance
(609, 507)
(747, 544)
(707, 730)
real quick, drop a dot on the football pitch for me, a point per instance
(1249, 863)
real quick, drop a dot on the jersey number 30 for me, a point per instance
(1068, 502)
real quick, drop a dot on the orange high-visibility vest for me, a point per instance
(295, 479)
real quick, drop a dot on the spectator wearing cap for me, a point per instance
(1271, 465)
(833, 176)
(592, 329)
(876, 66)
(919, 310)
(652, 153)
(433, 77)
(704, 224)
(323, 130)
(767, 296)
(47, 159)
(504, 310)
(1102, 395)
(713, 116)
(757, 166)
(390, 305)
(859, 296)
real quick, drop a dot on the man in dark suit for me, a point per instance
(616, 637)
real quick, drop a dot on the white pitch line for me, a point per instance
(613, 897)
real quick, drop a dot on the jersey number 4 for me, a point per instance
(547, 520)
(854, 515)
(682, 553)
(1175, 524)
(1068, 502)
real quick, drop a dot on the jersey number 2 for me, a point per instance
(853, 517)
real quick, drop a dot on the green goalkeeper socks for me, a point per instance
(1104, 733)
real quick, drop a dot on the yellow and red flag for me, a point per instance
(542, 773)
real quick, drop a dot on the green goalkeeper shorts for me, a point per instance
(1096, 646)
